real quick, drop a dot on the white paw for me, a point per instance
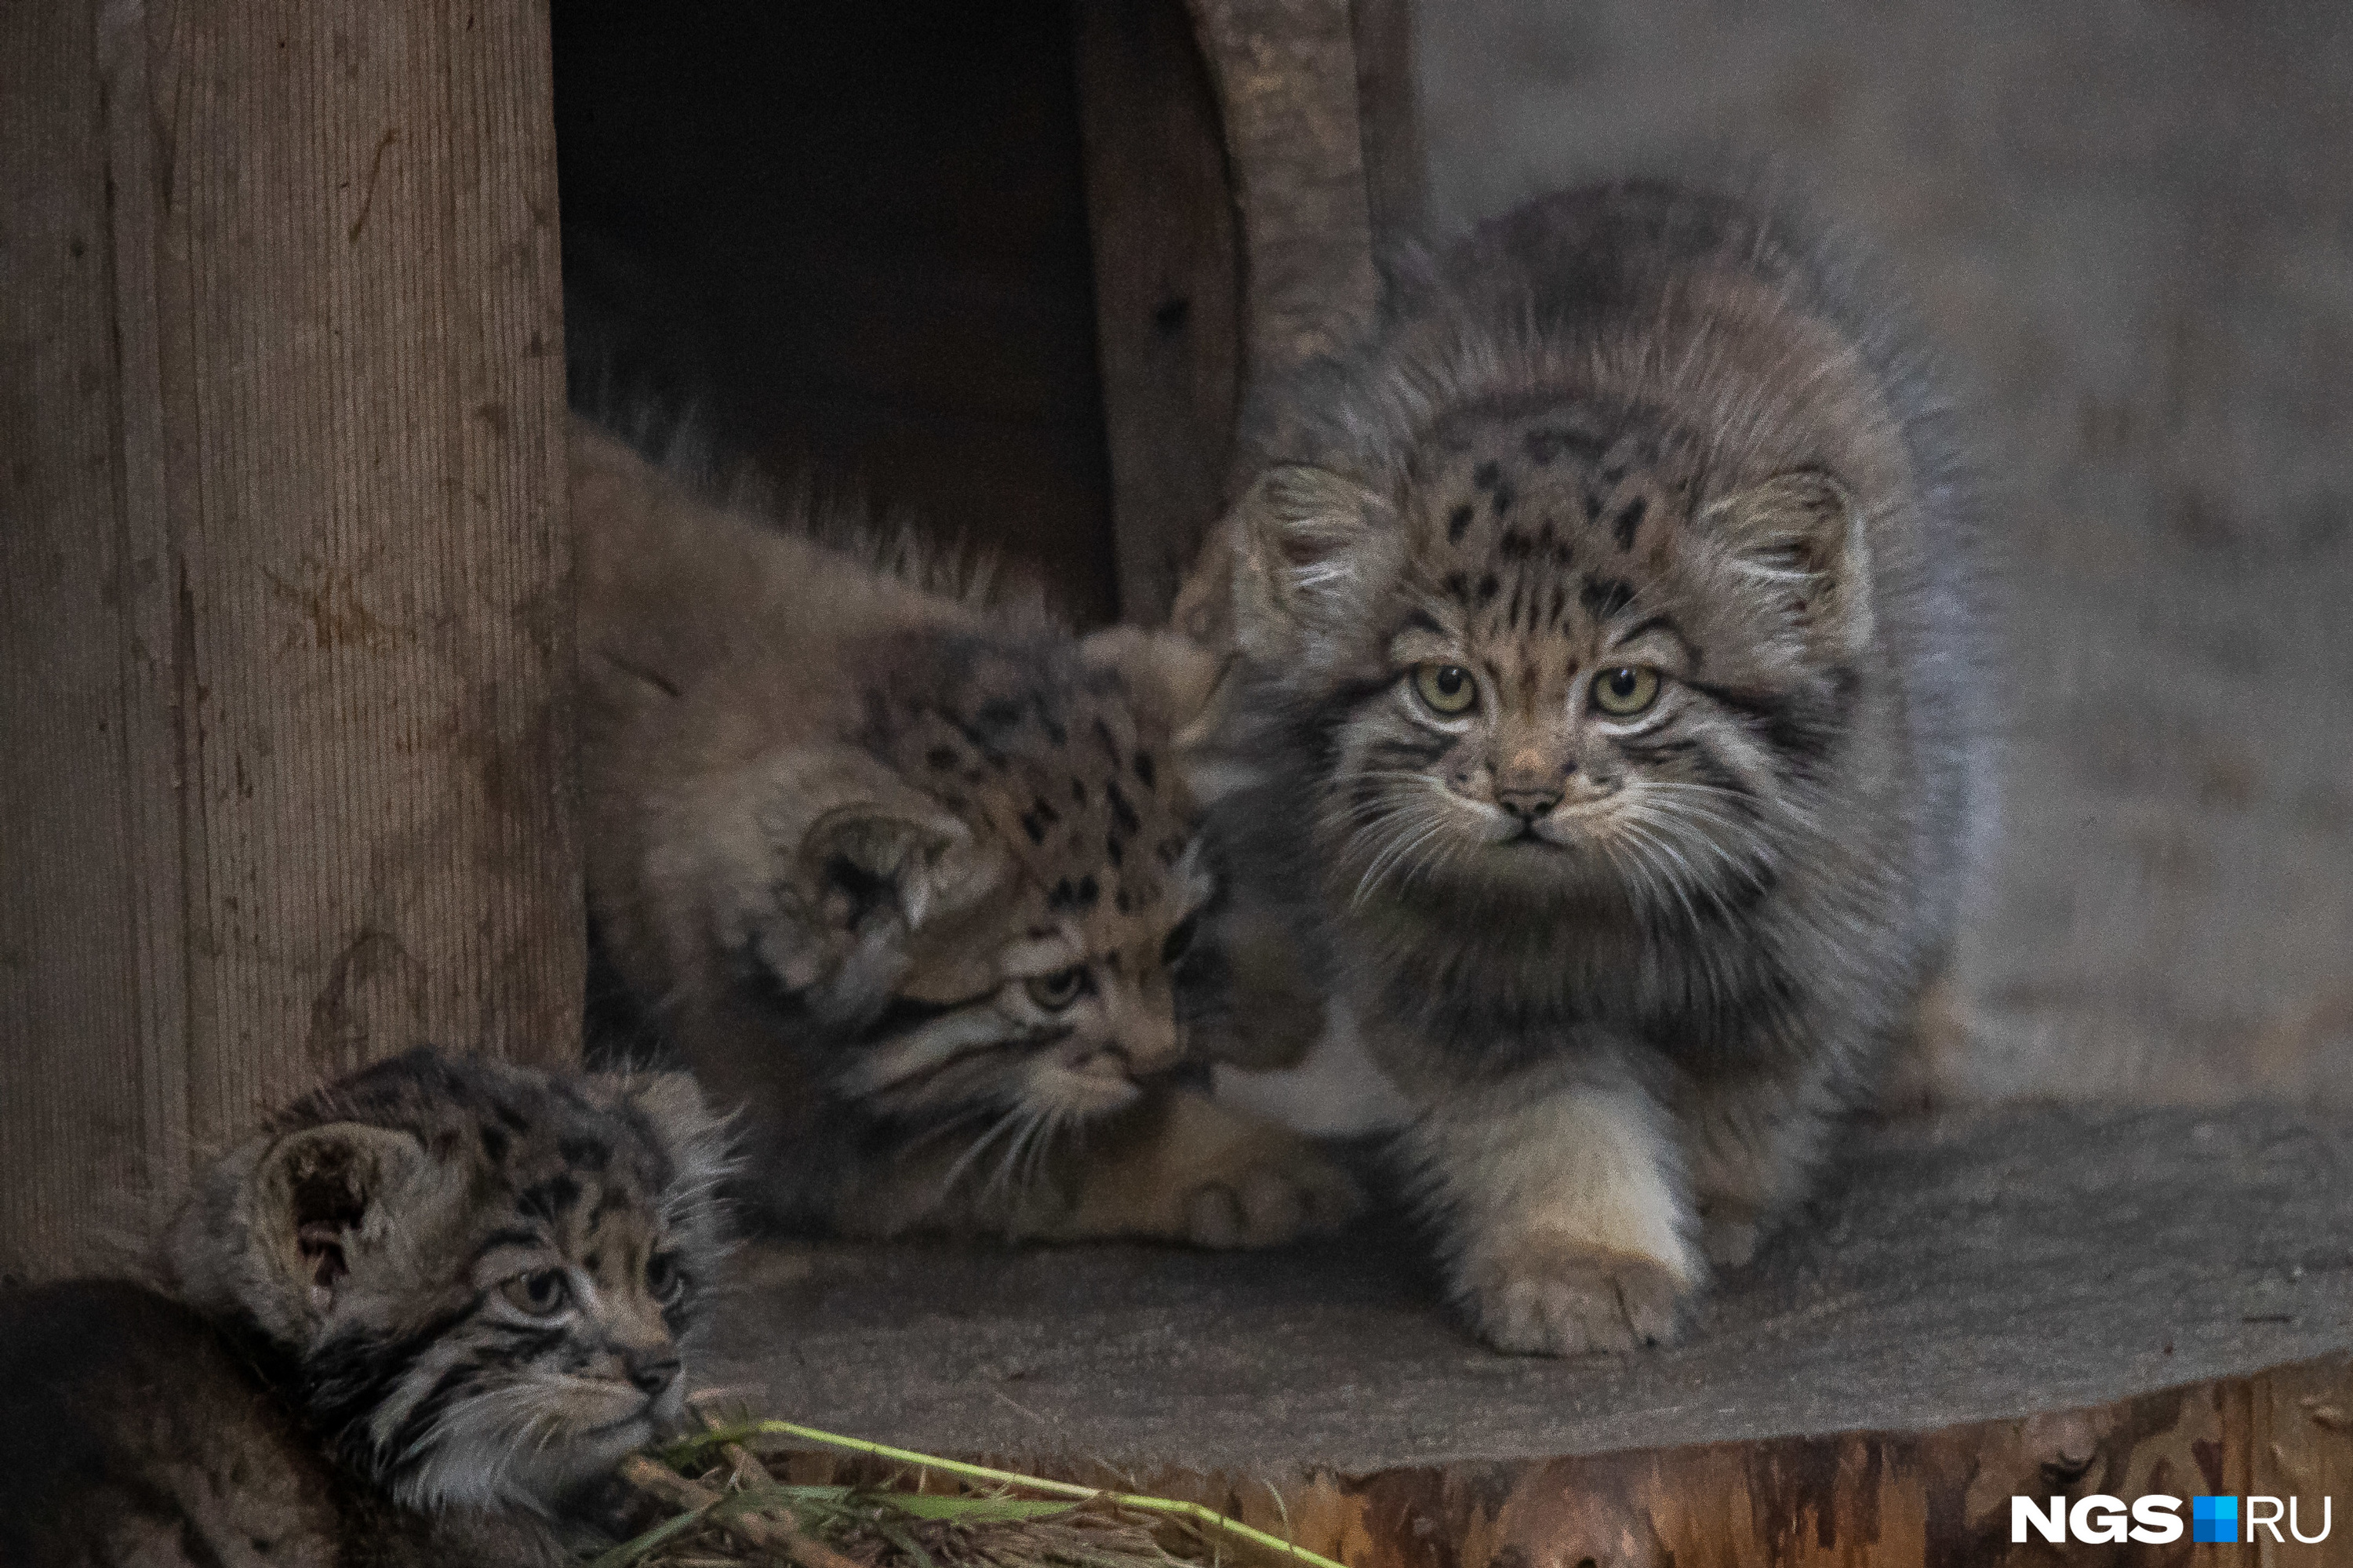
(1569, 1304)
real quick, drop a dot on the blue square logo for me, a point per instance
(2213, 1518)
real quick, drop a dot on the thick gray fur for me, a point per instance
(1633, 425)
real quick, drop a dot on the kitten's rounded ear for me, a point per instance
(1301, 536)
(876, 869)
(1799, 538)
(669, 1100)
(322, 1201)
(896, 851)
(1175, 680)
(690, 1132)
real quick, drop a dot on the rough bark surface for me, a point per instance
(285, 636)
(1286, 74)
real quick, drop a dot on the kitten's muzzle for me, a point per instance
(654, 1374)
(1529, 803)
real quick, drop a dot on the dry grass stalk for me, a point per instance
(771, 1534)
(736, 1514)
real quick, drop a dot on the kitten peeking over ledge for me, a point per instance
(1605, 721)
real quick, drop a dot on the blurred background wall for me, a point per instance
(2131, 225)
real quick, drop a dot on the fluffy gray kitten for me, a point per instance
(1604, 715)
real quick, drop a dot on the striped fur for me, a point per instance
(1627, 965)
(484, 1277)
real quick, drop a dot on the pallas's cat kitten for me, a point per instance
(1602, 621)
(906, 877)
(419, 1307)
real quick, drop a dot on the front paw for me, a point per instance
(1552, 1299)
(1290, 1189)
(1191, 1170)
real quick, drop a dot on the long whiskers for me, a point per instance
(1402, 830)
(1008, 1122)
(1430, 825)
(1680, 843)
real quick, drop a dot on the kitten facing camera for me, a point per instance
(1605, 721)
(416, 1311)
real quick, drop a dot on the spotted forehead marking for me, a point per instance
(1548, 523)
(1053, 763)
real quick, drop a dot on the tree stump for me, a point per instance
(285, 640)
(2043, 1304)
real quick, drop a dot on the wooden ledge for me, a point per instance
(2042, 1302)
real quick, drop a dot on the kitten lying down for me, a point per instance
(909, 878)
(418, 1309)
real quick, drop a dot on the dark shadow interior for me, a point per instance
(852, 238)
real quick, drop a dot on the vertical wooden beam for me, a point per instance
(1285, 74)
(1276, 165)
(285, 641)
(1167, 277)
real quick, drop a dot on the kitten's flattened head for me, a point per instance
(1563, 660)
(1044, 789)
(484, 1275)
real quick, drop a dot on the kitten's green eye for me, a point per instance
(543, 1295)
(1057, 990)
(662, 1278)
(1447, 688)
(1626, 691)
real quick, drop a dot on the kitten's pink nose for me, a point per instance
(1528, 802)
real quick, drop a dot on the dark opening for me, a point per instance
(853, 235)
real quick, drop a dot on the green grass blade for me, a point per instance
(639, 1547)
(975, 1510)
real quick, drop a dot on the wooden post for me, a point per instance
(1233, 177)
(1168, 286)
(1286, 72)
(285, 640)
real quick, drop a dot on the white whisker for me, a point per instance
(995, 1130)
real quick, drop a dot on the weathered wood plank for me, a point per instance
(287, 689)
(1285, 74)
(70, 820)
(1979, 1299)
(1312, 141)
